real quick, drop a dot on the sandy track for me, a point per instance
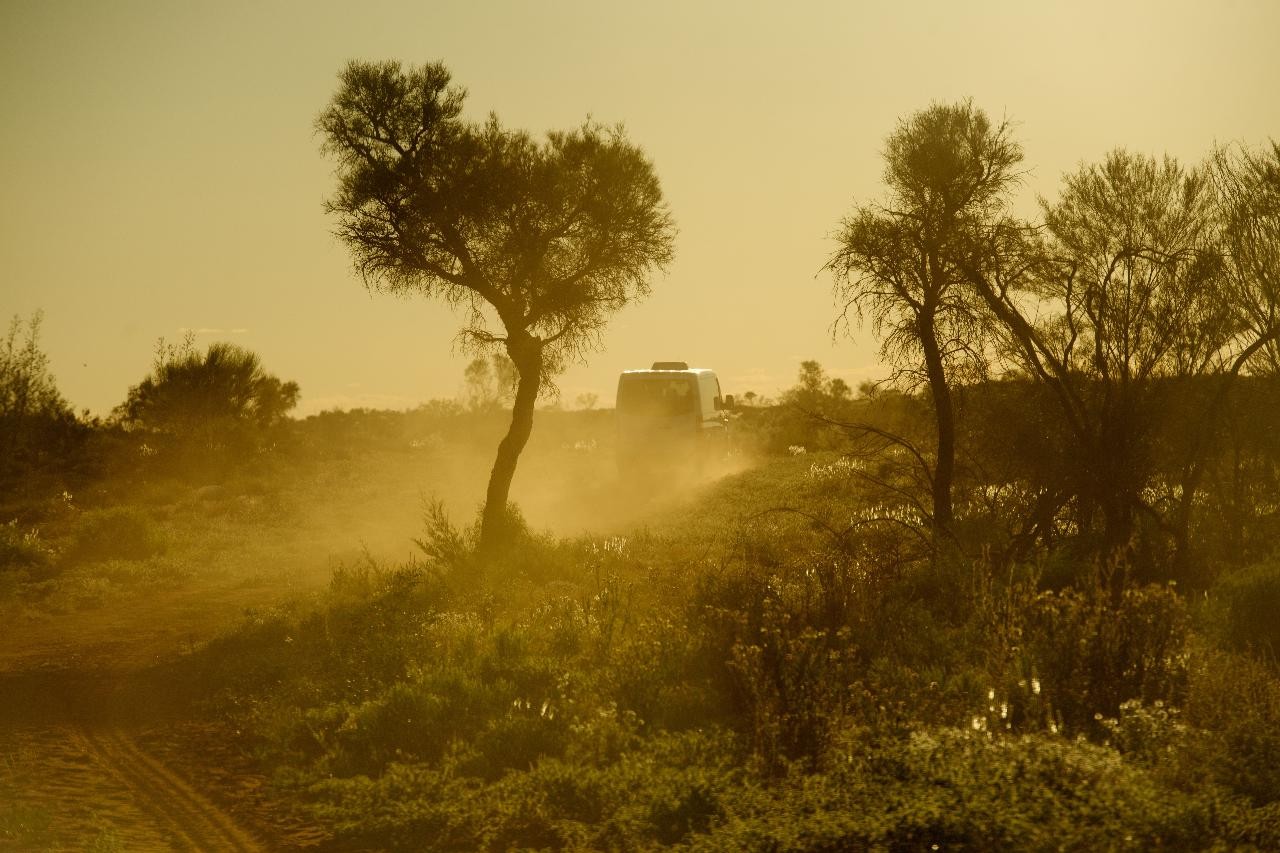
(183, 815)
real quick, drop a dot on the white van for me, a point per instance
(670, 416)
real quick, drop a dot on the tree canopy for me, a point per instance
(535, 243)
(34, 417)
(947, 172)
(208, 398)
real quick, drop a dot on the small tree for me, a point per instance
(208, 400)
(34, 418)
(535, 243)
(948, 171)
(491, 382)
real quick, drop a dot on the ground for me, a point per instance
(101, 751)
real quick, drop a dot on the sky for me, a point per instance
(161, 171)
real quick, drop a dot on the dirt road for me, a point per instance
(79, 770)
(187, 819)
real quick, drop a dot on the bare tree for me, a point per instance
(1248, 184)
(948, 171)
(535, 243)
(1133, 292)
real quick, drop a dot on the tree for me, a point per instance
(209, 400)
(535, 243)
(491, 383)
(35, 420)
(1134, 299)
(1248, 185)
(948, 170)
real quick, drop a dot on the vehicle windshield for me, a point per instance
(657, 396)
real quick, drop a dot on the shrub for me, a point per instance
(219, 400)
(38, 430)
(22, 548)
(1233, 703)
(1245, 604)
(119, 533)
(1098, 647)
(953, 789)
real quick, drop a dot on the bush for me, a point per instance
(952, 789)
(1098, 647)
(1233, 703)
(221, 400)
(22, 548)
(38, 430)
(120, 533)
(1244, 605)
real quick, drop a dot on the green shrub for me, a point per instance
(667, 790)
(23, 548)
(1098, 647)
(119, 533)
(1233, 705)
(1245, 604)
(952, 789)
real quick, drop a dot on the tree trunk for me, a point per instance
(944, 414)
(527, 355)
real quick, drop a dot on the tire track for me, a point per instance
(192, 821)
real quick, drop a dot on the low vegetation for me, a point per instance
(749, 681)
(1020, 597)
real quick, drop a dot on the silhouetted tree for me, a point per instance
(948, 170)
(1248, 184)
(35, 420)
(209, 400)
(1134, 295)
(547, 238)
(1246, 334)
(810, 387)
(491, 382)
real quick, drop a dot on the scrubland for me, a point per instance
(754, 661)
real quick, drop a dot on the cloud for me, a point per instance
(204, 330)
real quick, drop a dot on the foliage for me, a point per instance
(948, 172)
(22, 548)
(551, 237)
(1137, 291)
(216, 400)
(118, 533)
(1233, 711)
(1248, 184)
(37, 427)
(490, 383)
(1244, 607)
(1095, 649)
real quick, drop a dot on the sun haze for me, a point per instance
(162, 173)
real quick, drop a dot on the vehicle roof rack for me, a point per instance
(670, 365)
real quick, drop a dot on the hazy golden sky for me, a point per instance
(160, 171)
